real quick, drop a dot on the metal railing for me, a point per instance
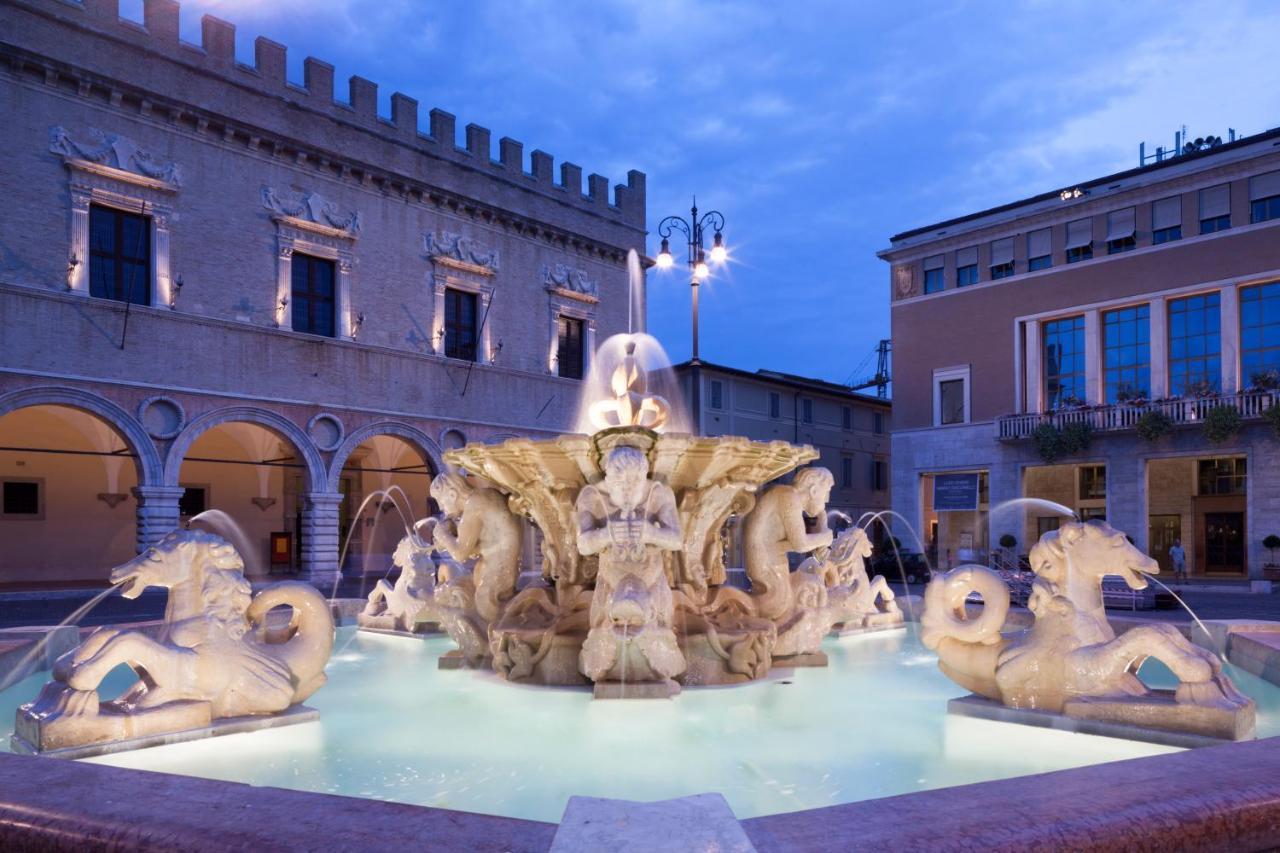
(1124, 416)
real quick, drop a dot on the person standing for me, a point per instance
(1179, 557)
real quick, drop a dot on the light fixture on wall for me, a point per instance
(355, 327)
(283, 304)
(111, 499)
(263, 504)
(174, 291)
(72, 263)
(493, 352)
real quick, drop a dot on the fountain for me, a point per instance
(632, 598)
(1070, 663)
(406, 607)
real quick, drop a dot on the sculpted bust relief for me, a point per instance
(629, 521)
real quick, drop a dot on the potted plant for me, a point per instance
(1153, 425)
(1221, 423)
(1272, 417)
(1048, 439)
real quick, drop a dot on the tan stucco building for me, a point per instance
(849, 430)
(221, 288)
(1132, 309)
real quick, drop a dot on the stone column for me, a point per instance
(78, 278)
(157, 513)
(1127, 493)
(1159, 313)
(1229, 329)
(1093, 374)
(1034, 396)
(1004, 483)
(320, 540)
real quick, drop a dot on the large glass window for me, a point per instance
(1260, 334)
(312, 297)
(1064, 362)
(460, 324)
(1223, 476)
(933, 280)
(1127, 353)
(119, 255)
(569, 348)
(966, 275)
(1166, 220)
(1195, 345)
(1093, 482)
(1264, 197)
(1215, 208)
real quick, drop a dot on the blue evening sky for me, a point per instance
(818, 127)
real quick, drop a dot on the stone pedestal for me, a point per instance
(157, 513)
(1152, 719)
(320, 540)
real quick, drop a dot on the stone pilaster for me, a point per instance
(157, 513)
(320, 540)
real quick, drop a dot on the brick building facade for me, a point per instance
(222, 289)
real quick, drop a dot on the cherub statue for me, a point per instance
(629, 520)
(475, 524)
(409, 605)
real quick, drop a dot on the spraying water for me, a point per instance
(217, 521)
(661, 380)
(38, 648)
(1212, 644)
(636, 320)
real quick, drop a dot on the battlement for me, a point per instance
(159, 31)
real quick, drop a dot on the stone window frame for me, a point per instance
(447, 276)
(41, 499)
(319, 241)
(577, 306)
(947, 374)
(92, 183)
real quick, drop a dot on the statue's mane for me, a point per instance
(1048, 557)
(226, 592)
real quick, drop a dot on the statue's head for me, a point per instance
(176, 559)
(413, 557)
(814, 486)
(450, 490)
(626, 474)
(1090, 549)
(853, 543)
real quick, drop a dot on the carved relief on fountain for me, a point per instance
(408, 605)
(1070, 661)
(477, 528)
(629, 520)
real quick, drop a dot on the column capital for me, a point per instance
(322, 500)
(158, 493)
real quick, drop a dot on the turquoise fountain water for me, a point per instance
(393, 726)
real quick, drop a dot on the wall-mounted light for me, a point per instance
(174, 290)
(283, 304)
(493, 352)
(355, 327)
(72, 263)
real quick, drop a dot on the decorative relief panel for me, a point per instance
(904, 281)
(453, 249)
(572, 282)
(311, 211)
(114, 152)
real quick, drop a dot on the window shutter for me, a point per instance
(1121, 224)
(1166, 213)
(967, 257)
(1039, 243)
(1215, 201)
(1264, 186)
(1001, 251)
(1079, 233)
(933, 263)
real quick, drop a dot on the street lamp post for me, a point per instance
(694, 229)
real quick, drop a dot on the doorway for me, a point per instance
(1224, 542)
(1162, 532)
